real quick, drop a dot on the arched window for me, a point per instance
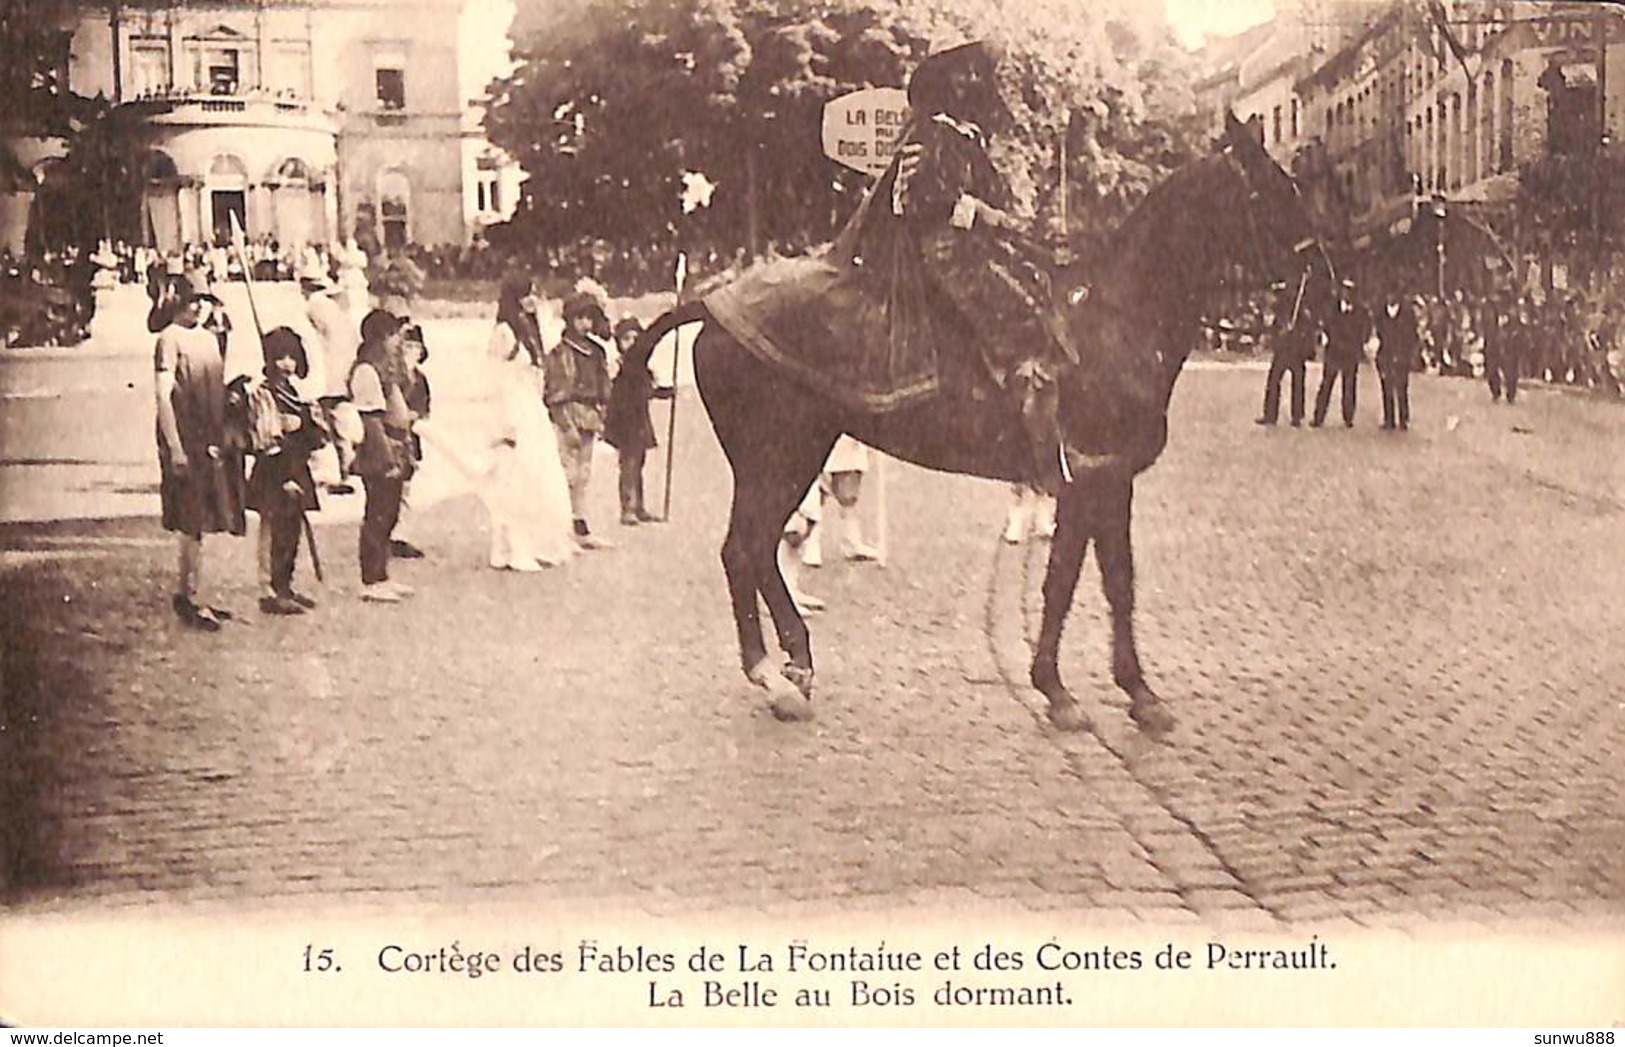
(226, 191)
(295, 211)
(292, 172)
(1460, 130)
(160, 168)
(394, 209)
(228, 172)
(1486, 120)
(1410, 150)
(1504, 157)
(1429, 151)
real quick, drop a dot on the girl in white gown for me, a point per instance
(526, 492)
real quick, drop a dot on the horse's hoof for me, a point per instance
(801, 678)
(1069, 716)
(787, 698)
(1152, 715)
(790, 706)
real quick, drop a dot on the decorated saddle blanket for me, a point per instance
(865, 339)
(863, 323)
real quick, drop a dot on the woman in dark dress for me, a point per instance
(200, 480)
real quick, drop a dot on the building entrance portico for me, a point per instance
(226, 204)
(226, 196)
(276, 182)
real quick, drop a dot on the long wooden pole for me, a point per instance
(882, 522)
(676, 367)
(239, 244)
(1598, 150)
(114, 18)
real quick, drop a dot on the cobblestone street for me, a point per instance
(1394, 658)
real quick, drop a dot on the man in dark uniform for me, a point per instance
(1346, 331)
(1292, 344)
(1501, 334)
(1398, 344)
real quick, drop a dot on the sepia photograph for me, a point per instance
(677, 513)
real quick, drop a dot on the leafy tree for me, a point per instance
(612, 99)
(95, 192)
(33, 63)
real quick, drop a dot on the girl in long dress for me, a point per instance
(526, 493)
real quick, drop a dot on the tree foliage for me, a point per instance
(612, 99)
(34, 39)
(95, 190)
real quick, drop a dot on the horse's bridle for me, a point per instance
(1303, 248)
(1309, 247)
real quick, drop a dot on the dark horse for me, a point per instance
(1135, 327)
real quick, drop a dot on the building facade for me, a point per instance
(1413, 106)
(1405, 114)
(299, 120)
(1255, 74)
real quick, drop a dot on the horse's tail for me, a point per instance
(635, 364)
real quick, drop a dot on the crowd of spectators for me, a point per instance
(49, 299)
(46, 300)
(1572, 335)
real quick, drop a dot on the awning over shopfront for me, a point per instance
(1498, 190)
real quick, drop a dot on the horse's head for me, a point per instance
(1261, 230)
(1280, 226)
(1233, 211)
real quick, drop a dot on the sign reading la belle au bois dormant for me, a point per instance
(861, 129)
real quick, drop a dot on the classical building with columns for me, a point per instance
(305, 120)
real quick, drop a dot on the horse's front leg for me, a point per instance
(1114, 548)
(1067, 549)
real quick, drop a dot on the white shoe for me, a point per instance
(852, 544)
(380, 592)
(401, 589)
(1015, 528)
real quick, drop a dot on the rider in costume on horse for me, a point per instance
(954, 201)
(930, 291)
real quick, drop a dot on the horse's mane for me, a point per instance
(1145, 231)
(1162, 195)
